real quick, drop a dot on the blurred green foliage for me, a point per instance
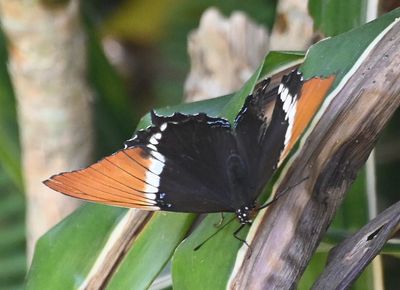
(332, 17)
(12, 210)
(154, 34)
(162, 40)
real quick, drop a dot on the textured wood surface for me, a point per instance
(293, 27)
(224, 53)
(333, 153)
(349, 258)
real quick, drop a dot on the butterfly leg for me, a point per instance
(221, 220)
(236, 235)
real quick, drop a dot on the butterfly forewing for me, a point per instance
(194, 163)
(263, 127)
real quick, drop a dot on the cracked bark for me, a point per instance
(332, 154)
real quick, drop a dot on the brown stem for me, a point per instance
(333, 153)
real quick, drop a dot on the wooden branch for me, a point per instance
(115, 249)
(224, 53)
(293, 28)
(48, 70)
(335, 149)
(347, 260)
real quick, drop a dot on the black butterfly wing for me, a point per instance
(263, 128)
(195, 163)
(178, 164)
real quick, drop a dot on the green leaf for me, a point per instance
(333, 17)
(210, 266)
(338, 55)
(64, 256)
(153, 248)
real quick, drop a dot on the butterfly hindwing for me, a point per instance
(263, 126)
(178, 164)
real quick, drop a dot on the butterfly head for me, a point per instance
(246, 213)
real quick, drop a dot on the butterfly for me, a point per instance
(203, 164)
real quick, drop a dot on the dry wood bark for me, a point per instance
(48, 67)
(224, 53)
(332, 154)
(349, 258)
(293, 28)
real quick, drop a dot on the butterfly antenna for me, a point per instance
(282, 194)
(216, 232)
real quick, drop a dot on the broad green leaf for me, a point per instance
(340, 54)
(64, 256)
(210, 266)
(333, 17)
(151, 251)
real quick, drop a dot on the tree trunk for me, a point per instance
(48, 70)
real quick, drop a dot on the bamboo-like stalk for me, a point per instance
(48, 70)
(337, 147)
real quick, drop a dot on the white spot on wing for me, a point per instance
(150, 195)
(290, 116)
(152, 179)
(284, 94)
(152, 147)
(153, 141)
(156, 166)
(158, 155)
(287, 103)
(163, 127)
(152, 175)
(157, 136)
(150, 189)
(280, 88)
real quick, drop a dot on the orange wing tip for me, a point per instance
(312, 94)
(101, 188)
(127, 178)
(73, 192)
